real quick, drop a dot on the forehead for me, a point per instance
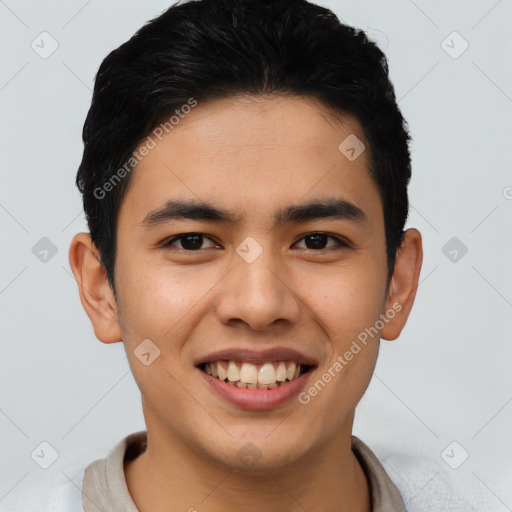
(251, 153)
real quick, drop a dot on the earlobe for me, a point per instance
(95, 292)
(404, 284)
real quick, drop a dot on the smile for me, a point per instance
(269, 375)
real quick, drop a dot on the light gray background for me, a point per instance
(447, 378)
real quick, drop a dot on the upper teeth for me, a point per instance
(262, 376)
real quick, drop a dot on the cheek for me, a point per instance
(347, 301)
(163, 304)
(348, 307)
(154, 296)
(157, 306)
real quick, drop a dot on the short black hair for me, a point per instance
(213, 49)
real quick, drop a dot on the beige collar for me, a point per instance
(105, 489)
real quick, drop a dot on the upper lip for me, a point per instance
(257, 356)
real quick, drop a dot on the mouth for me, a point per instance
(256, 380)
(248, 375)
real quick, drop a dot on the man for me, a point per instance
(244, 179)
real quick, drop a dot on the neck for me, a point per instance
(170, 477)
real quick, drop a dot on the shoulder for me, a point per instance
(57, 492)
(424, 483)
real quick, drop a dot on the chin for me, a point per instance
(260, 455)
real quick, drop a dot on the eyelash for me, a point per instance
(340, 242)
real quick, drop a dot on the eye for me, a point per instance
(318, 241)
(191, 241)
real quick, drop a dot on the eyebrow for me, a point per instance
(293, 214)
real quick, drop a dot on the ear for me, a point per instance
(404, 283)
(95, 292)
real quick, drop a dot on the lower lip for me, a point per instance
(257, 399)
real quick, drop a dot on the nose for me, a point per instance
(257, 294)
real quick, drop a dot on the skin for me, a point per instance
(253, 156)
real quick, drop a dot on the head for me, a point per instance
(268, 132)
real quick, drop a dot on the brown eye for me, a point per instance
(190, 241)
(318, 241)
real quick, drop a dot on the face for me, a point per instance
(251, 248)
